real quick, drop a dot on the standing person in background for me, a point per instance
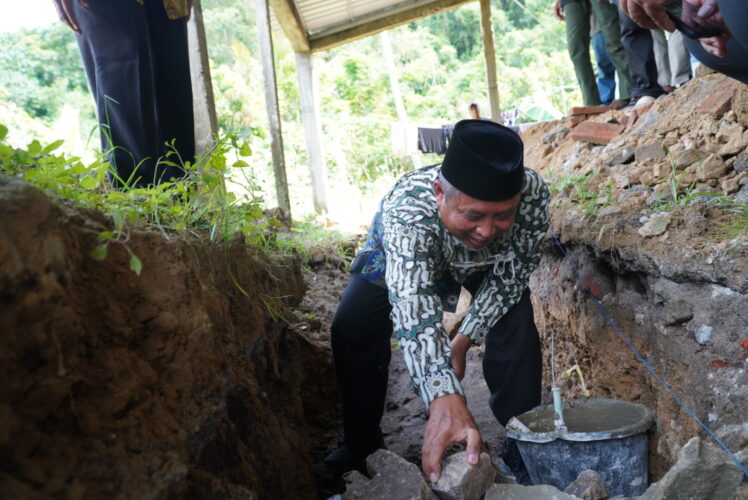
(673, 60)
(727, 52)
(606, 72)
(576, 13)
(137, 64)
(640, 49)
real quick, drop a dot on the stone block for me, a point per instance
(729, 185)
(661, 170)
(719, 102)
(596, 133)
(648, 151)
(702, 471)
(517, 492)
(392, 477)
(622, 157)
(687, 158)
(711, 168)
(588, 486)
(462, 481)
(656, 225)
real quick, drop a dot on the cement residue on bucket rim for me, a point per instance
(591, 419)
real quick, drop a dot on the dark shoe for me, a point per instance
(513, 463)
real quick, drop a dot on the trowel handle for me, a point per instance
(557, 405)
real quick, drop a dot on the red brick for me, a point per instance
(596, 132)
(720, 102)
(588, 110)
(573, 121)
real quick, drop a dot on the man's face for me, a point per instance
(475, 222)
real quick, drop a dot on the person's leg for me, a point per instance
(662, 59)
(639, 47)
(115, 49)
(606, 72)
(171, 70)
(680, 63)
(512, 367)
(361, 332)
(578, 40)
(607, 18)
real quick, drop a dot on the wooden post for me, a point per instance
(312, 130)
(490, 54)
(271, 104)
(203, 103)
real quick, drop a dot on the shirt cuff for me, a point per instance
(439, 383)
(471, 327)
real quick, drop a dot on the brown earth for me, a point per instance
(170, 384)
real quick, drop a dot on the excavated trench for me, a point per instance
(175, 384)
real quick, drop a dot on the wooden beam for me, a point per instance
(374, 23)
(271, 104)
(290, 21)
(203, 103)
(312, 130)
(489, 53)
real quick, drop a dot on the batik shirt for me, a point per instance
(410, 252)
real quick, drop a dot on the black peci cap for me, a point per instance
(484, 160)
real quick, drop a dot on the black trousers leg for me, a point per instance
(361, 332)
(640, 50)
(116, 49)
(512, 365)
(173, 85)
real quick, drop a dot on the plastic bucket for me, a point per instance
(605, 435)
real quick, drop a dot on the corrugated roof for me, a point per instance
(323, 15)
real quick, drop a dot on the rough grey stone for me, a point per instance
(741, 163)
(648, 151)
(462, 481)
(588, 486)
(622, 157)
(652, 118)
(656, 225)
(703, 334)
(557, 133)
(702, 471)
(392, 478)
(517, 492)
(677, 312)
(687, 158)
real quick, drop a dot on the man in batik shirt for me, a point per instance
(475, 221)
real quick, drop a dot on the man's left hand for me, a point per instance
(449, 422)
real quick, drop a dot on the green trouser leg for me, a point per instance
(607, 18)
(578, 40)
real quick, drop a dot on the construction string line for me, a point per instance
(651, 370)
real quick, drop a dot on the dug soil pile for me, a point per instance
(178, 383)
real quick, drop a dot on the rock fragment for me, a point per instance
(711, 168)
(393, 478)
(702, 471)
(517, 492)
(648, 151)
(656, 225)
(588, 486)
(462, 481)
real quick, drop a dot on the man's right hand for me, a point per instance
(449, 422)
(66, 13)
(648, 14)
(558, 11)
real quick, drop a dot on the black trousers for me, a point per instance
(735, 64)
(361, 332)
(138, 70)
(640, 50)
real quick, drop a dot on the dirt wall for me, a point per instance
(170, 384)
